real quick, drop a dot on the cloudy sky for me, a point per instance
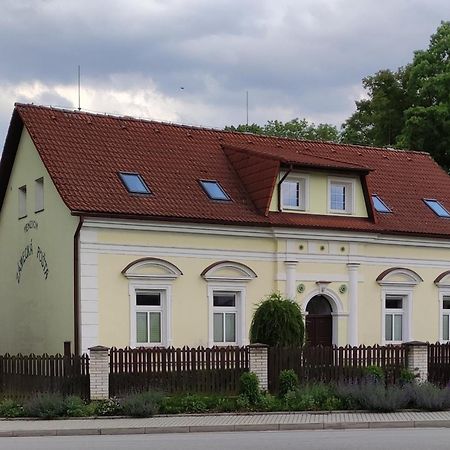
(192, 61)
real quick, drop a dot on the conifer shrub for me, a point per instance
(277, 321)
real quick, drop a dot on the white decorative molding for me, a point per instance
(89, 299)
(399, 276)
(241, 272)
(291, 267)
(137, 269)
(353, 303)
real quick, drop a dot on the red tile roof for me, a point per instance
(84, 152)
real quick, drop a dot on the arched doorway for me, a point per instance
(319, 321)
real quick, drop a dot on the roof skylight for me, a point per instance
(214, 190)
(437, 208)
(379, 205)
(134, 183)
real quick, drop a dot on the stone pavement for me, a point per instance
(223, 422)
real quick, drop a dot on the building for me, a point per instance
(118, 231)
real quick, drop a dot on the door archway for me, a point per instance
(319, 321)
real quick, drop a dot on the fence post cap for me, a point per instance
(256, 345)
(99, 348)
(415, 343)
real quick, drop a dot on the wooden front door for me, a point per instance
(319, 329)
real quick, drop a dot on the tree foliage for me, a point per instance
(409, 108)
(293, 129)
(277, 321)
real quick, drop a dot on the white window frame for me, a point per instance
(227, 287)
(406, 310)
(137, 287)
(303, 201)
(394, 312)
(223, 310)
(443, 293)
(39, 195)
(22, 201)
(349, 184)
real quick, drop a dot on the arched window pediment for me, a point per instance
(228, 271)
(151, 268)
(443, 280)
(399, 276)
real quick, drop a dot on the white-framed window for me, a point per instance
(150, 283)
(150, 314)
(227, 287)
(22, 202)
(393, 317)
(341, 195)
(225, 316)
(294, 193)
(445, 305)
(39, 195)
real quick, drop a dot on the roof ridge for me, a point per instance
(212, 129)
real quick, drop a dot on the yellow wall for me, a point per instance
(318, 200)
(320, 259)
(36, 314)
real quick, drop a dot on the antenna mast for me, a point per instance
(246, 92)
(79, 88)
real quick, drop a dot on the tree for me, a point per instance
(409, 108)
(277, 321)
(294, 129)
(427, 119)
(378, 120)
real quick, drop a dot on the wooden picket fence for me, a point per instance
(24, 375)
(335, 364)
(176, 370)
(439, 364)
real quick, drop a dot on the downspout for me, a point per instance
(279, 186)
(76, 286)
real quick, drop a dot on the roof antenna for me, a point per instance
(79, 88)
(246, 92)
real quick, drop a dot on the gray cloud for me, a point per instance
(297, 58)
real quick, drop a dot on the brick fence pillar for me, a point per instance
(258, 362)
(417, 359)
(99, 372)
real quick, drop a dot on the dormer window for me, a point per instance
(436, 207)
(134, 183)
(293, 193)
(214, 190)
(379, 205)
(340, 194)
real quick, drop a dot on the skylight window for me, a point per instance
(437, 208)
(379, 205)
(134, 183)
(214, 190)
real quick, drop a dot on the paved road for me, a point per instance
(399, 439)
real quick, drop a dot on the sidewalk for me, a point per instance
(223, 422)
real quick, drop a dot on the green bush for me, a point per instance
(75, 407)
(10, 408)
(374, 374)
(406, 377)
(277, 321)
(110, 407)
(144, 404)
(313, 397)
(249, 387)
(288, 382)
(429, 397)
(46, 406)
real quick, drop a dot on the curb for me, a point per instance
(104, 431)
